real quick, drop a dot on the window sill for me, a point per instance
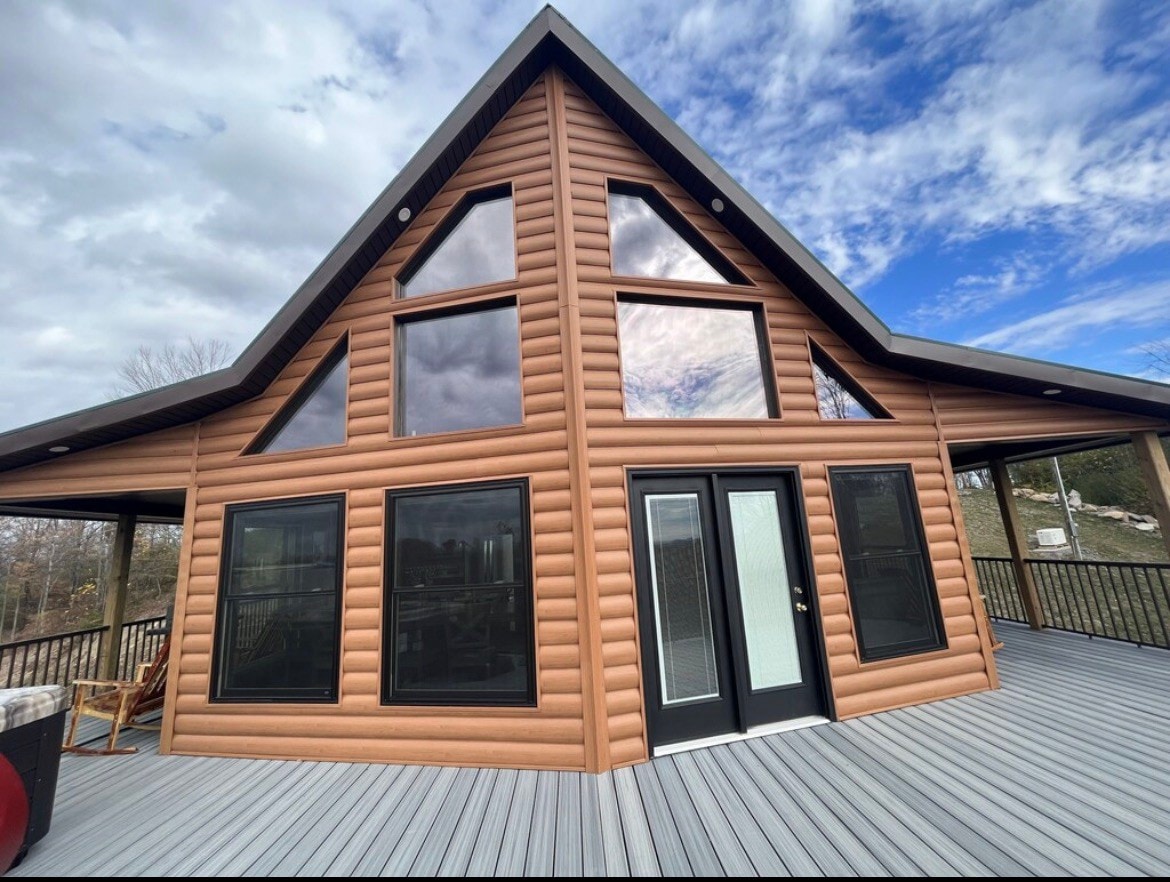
(906, 657)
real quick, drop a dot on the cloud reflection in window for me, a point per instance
(481, 249)
(645, 245)
(320, 419)
(460, 372)
(691, 361)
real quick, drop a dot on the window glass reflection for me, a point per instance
(691, 361)
(835, 400)
(460, 626)
(643, 244)
(471, 538)
(460, 372)
(892, 598)
(319, 419)
(481, 249)
(277, 633)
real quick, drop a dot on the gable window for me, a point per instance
(459, 370)
(693, 359)
(315, 416)
(277, 634)
(650, 239)
(459, 590)
(839, 396)
(892, 594)
(475, 245)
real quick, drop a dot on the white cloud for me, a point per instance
(1073, 323)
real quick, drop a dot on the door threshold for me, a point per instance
(731, 737)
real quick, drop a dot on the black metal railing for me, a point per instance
(63, 658)
(1116, 599)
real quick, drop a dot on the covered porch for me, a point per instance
(1065, 770)
(113, 649)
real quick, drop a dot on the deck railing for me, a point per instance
(1123, 601)
(63, 658)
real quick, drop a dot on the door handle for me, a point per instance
(802, 607)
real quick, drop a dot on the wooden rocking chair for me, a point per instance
(123, 702)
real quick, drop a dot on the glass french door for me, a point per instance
(727, 622)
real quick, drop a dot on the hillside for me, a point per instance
(1101, 538)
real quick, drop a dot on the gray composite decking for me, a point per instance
(1066, 770)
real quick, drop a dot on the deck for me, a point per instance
(1066, 770)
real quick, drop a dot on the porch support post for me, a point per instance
(1017, 545)
(116, 594)
(1151, 456)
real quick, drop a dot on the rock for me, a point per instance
(1149, 519)
(1026, 492)
(1088, 506)
(1144, 527)
(1074, 499)
(1113, 515)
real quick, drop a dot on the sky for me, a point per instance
(989, 173)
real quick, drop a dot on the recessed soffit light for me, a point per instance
(1053, 391)
(60, 448)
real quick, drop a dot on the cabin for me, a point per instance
(568, 455)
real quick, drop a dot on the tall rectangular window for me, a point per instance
(277, 637)
(459, 371)
(459, 590)
(894, 599)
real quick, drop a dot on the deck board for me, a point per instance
(1066, 770)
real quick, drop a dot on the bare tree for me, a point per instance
(149, 368)
(1158, 357)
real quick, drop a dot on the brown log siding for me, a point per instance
(372, 461)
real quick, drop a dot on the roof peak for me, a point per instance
(550, 38)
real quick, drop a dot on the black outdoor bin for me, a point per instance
(32, 722)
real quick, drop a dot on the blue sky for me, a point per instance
(991, 173)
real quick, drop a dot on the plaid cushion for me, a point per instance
(29, 704)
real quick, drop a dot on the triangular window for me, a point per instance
(315, 415)
(650, 239)
(475, 245)
(839, 396)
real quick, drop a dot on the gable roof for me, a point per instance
(550, 39)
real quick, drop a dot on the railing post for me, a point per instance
(1151, 457)
(1017, 545)
(116, 594)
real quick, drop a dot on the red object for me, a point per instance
(13, 813)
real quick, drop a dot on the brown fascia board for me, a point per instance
(549, 39)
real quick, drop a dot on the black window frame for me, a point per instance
(264, 696)
(443, 229)
(398, 384)
(673, 218)
(525, 602)
(820, 358)
(763, 347)
(288, 411)
(848, 534)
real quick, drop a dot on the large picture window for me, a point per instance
(688, 359)
(894, 599)
(280, 589)
(459, 590)
(459, 371)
